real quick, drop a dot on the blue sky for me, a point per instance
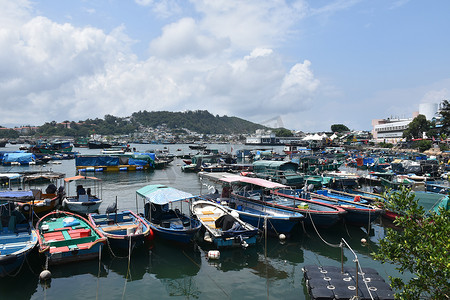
(311, 63)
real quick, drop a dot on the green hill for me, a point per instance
(200, 121)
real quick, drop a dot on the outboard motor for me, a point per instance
(112, 208)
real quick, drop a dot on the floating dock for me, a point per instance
(329, 282)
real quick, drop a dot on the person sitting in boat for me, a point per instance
(88, 191)
(80, 190)
(51, 189)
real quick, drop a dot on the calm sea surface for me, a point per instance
(271, 270)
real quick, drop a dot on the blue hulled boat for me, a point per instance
(358, 213)
(278, 220)
(163, 210)
(222, 227)
(17, 239)
(262, 191)
(122, 228)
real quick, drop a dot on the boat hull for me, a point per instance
(15, 248)
(123, 229)
(65, 237)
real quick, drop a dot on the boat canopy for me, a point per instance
(261, 182)
(230, 178)
(10, 176)
(80, 177)
(161, 194)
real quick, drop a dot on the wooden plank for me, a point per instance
(207, 219)
(207, 212)
(119, 227)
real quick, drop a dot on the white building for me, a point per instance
(391, 130)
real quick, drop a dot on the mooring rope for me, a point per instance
(323, 240)
(128, 269)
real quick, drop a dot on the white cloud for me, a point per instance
(436, 96)
(250, 24)
(184, 38)
(59, 72)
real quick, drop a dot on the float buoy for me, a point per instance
(45, 275)
(213, 254)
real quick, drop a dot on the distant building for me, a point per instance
(391, 130)
(263, 138)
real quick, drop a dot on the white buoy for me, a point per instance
(213, 254)
(363, 240)
(282, 237)
(45, 275)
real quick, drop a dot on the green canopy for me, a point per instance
(161, 194)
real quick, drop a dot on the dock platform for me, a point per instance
(328, 282)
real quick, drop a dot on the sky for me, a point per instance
(301, 64)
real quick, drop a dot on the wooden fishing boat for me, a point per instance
(67, 237)
(84, 201)
(17, 239)
(123, 229)
(163, 209)
(222, 228)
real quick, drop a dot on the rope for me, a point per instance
(212, 279)
(128, 270)
(16, 273)
(312, 222)
(99, 268)
(112, 252)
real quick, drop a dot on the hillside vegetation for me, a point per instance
(200, 121)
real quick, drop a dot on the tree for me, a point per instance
(417, 127)
(339, 128)
(282, 132)
(445, 117)
(423, 145)
(421, 246)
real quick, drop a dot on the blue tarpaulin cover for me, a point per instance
(22, 158)
(97, 161)
(161, 194)
(137, 162)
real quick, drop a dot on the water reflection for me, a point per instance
(167, 261)
(176, 267)
(319, 241)
(134, 270)
(24, 284)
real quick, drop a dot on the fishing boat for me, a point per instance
(17, 239)
(124, 230)
(276, 220)
(67, 237)
(358, 213)
(85, 201)
(259, 215)
(429, 201)
(222, 227)
(264, 192)
(34, 200)
(397, 182)
(164, 211)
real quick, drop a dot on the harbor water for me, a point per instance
(272, 269)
